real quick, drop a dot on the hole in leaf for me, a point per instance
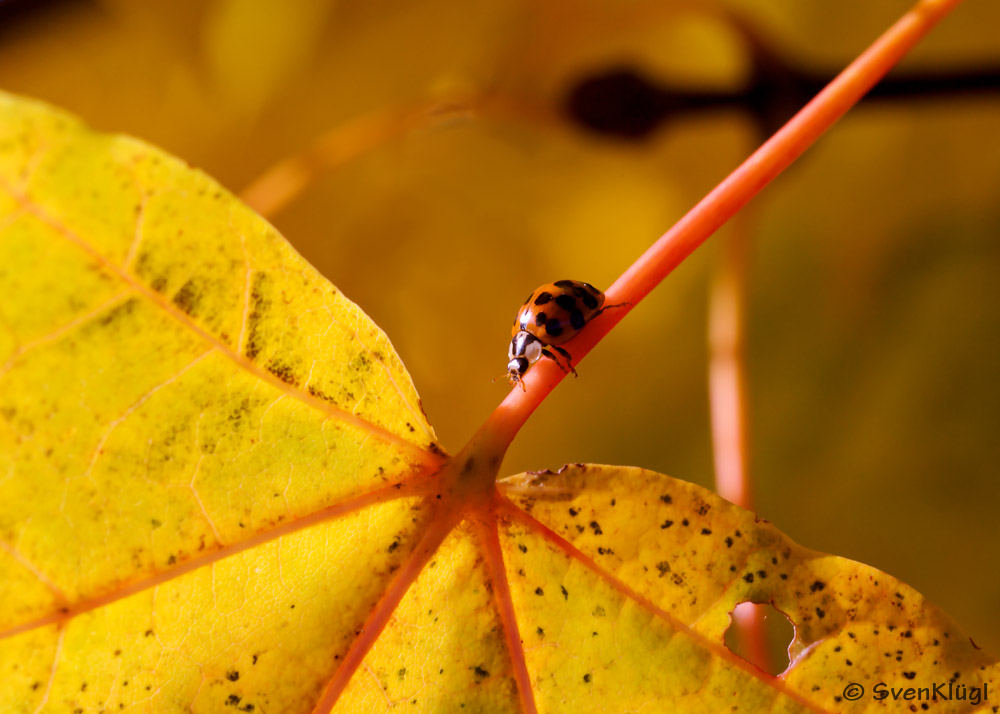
(763, 646)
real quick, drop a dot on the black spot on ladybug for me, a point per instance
(565, 284)
(541, 318)
(566, 302)
(542, 298)
(588, 299)
(554, 327)
(576, 320)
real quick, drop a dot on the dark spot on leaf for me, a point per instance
(597, 528)
(522, 547)
(188, 298)
(909, 675)
(685, 522)
(706, 531)
(564, 592)
(232, 675)
(540, 632)
(666, 524)
(573, 512)
(666, 498)
(539, 591)
(282, 371)
(480, 672)
(664, 567)
(748, 577)
(586, 678)
(820, 613)
(816, 586)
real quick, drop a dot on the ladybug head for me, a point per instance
(525, 350)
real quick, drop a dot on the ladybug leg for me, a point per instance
(566, 355)
(610, 307)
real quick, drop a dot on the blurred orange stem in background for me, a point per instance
(728, 406)
(765, 164)
(284, 182)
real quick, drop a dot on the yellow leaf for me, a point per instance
(217, 495)
(631, 577)
(173, 379)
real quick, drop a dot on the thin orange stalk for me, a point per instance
(727, 378)
(281, 184)
(773, 157)
(727, 391)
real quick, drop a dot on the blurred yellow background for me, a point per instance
(874, 312)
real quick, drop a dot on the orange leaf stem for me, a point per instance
(773, 157)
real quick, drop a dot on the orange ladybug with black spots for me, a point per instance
(551, 316)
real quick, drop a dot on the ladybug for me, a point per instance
(551, 316)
